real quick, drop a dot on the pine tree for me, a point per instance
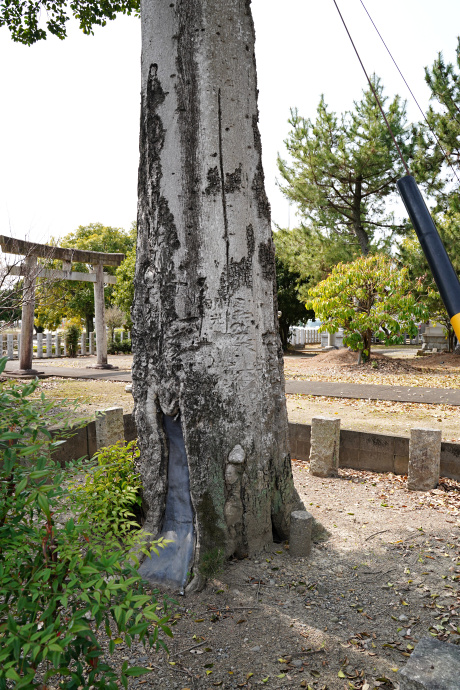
(438, 152)
(344, 168)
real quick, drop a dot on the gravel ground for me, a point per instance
(383, 573)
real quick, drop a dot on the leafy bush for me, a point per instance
(111, 490)
(119, 347)
(72, 335)
(59, 581)
(370, 295)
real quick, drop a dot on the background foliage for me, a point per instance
(369, 295)
(65, 299)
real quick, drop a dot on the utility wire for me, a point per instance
(445, 154)
(374, 92)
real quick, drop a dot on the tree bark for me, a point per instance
(205, 325)
(361, 234)
(89, 323)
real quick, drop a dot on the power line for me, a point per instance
(445, 154)
(374, 92)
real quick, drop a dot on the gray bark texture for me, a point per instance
(28, 307)
(205, 334)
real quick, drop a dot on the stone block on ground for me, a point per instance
(424, 459)
(300, 533)
(324, 446)
(433, 665)
(109, 427)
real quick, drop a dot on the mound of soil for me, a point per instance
(446, 360)
(344, 358)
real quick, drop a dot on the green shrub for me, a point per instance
(59, 580)
(72, 335)
(119, 347)
(112, 488)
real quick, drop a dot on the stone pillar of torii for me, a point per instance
(31, 271)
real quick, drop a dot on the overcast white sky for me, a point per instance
(69, 117)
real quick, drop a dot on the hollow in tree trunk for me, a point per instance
(207, 353)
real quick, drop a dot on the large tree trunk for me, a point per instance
(361, 234)
(205, 334)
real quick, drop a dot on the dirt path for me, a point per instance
(437, 371)
(346, 617)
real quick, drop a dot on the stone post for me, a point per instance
(57, 345)
(300, 533)
(9, 345)
(83, 344)
(331, 341)
(91, 343)
(99, 317)
(49, 345)
(19, 344)
(324, 446)
(424, 459)
(40, 345)
(433, 664)
(1, 345)
(64, 347)
(27, 320)
(109, 427)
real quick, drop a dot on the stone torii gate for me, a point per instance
(31, 271)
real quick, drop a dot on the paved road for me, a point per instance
(333, 389)
(417, 394)
(74, 372)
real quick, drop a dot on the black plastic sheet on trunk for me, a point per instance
(172, 566)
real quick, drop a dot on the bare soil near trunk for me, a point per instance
(383, 572)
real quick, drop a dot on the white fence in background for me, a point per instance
(304, 336)
(299, 337)
(51, 344)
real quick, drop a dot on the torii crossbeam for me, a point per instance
(31, 271)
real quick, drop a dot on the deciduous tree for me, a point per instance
(26, 20)
(123, 293)
(370, 295)
(208, 357)
(65, 299)
(205, 330)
